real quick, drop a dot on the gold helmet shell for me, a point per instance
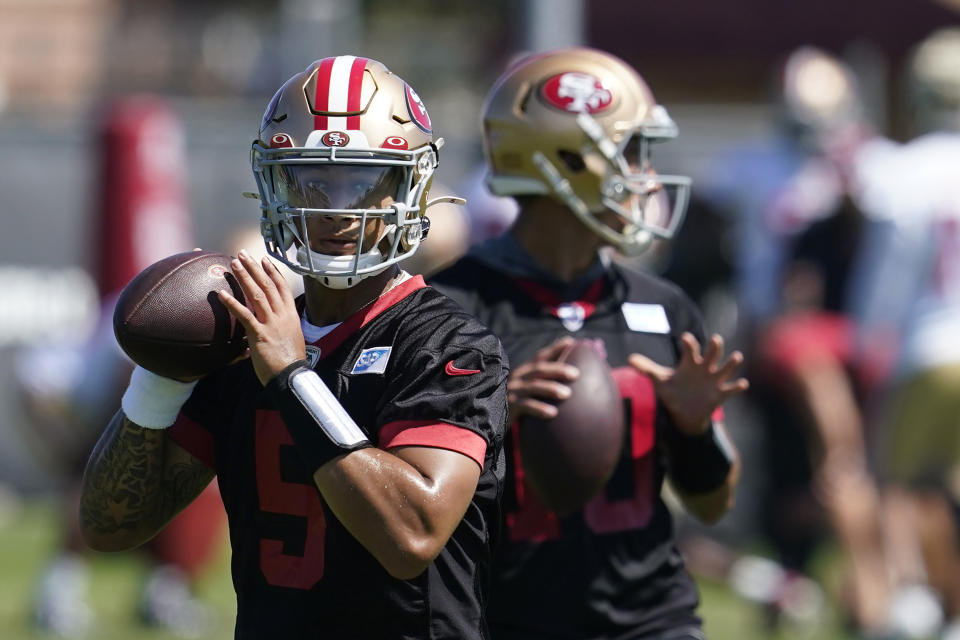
(345, 111)
(933, 82)
(576, 124)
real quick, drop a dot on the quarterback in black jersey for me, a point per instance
(359, 449)
(567, 133)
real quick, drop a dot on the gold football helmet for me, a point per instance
(933, 83)
(346, 139)
(819, 100)
(577, 124)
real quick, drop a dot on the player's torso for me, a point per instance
(625, 532)
(298, 572)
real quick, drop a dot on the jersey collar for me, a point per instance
(572, 313)
(329, 343)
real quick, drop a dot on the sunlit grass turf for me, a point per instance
(28, 541)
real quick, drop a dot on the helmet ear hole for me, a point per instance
(573, 160)
(525, 99)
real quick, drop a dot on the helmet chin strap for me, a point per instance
(324, 262)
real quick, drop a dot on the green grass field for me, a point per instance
(30, 536)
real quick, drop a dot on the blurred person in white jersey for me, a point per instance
(908, 304)
(794, 205)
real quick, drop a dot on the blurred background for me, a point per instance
(124, 136)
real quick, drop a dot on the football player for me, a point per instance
(908, 305)
(359, 448)
(794, 198)
(568, 134)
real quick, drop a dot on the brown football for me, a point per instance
(568, 459)
(169, 320)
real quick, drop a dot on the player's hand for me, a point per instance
(699, 383)
(271, 323)
(534, 388)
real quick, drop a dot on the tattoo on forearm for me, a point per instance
(128, 487)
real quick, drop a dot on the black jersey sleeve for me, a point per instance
(447, 389)
(205, 414)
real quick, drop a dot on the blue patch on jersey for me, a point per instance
(372, 360)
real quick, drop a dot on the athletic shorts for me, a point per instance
(921, 443)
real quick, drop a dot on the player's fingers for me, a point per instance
(552, 371)
(256, 271)
(533, 408)
(545, 369)
(542, 389)
(690, 348)
(252, 292)
(240, 311)
(648, 367)
(554, 349)
(713, 351)
(734, 387)
(731, 365)
(283, 287)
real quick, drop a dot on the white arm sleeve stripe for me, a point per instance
(317, 399)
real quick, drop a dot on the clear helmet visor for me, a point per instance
(339, 187)
(331, 206)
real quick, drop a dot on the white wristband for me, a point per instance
(152, 401)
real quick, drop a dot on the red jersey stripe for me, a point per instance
(194, 439)
(426, 433)
(329, 343)
(552, 302)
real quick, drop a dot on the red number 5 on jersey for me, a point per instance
(276, 496)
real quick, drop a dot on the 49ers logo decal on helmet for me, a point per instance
(418, 112)
(576, 92)
(335, 139)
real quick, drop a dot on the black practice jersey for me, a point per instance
(611, 570)
(412, 369)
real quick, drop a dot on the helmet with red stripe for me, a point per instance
(343, 162)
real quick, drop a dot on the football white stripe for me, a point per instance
(336, 123)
